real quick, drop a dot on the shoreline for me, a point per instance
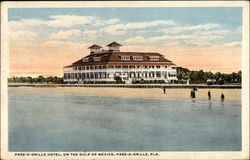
(129, 86)
(144, 93)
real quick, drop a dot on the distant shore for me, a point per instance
(147, 93)
(237, 86)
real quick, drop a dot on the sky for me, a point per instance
(44, 40)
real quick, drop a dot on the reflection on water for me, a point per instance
(209, 105)
(42, 122)
(222, 104)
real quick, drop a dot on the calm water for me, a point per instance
(56, 122)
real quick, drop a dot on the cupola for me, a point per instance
(94, 48)
(114, 46)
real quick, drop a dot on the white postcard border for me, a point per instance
(244, 154)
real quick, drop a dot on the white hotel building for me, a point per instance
(102, 66)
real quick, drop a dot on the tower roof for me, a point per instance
(114, 44)
(94, 46)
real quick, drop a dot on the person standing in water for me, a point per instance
(164, 90)
(222, 97)
(209, 95)
(192, 94)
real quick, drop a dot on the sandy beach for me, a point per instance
(152, 93)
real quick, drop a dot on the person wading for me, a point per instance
(192, 94)
(222, 97)
(164, 90)
(209, 95)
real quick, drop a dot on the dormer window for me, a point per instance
(154, 58)
(85, 59)
(97, 59)
(137, 58)
(125, 58)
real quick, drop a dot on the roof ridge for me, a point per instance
(114, 44)
(94, 46)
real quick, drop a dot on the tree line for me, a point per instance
(39, 79)
(202, 77)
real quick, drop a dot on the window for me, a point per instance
(96, 75)
(173, 67)
(91, 75)
(158, 74)
(171, 75)
(138, 74)
(138, 58)
(97, 58)
(125, 58)
(85, 59)
(118, 67)
(110, 67)
(125, 67)
(158, 66)
(154, 58)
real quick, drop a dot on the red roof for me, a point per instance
(114, 44)
(137, 55)
(123, 55)
(94, 46)
(115, 59)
